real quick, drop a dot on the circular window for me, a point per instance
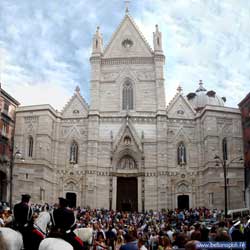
(127, 43)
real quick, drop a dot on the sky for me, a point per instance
(45, 45)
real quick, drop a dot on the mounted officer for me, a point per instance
(63, 224)
(23, 219)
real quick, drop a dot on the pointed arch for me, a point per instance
(30, 146)
(127, 95)
(73, 157)
(181, 154)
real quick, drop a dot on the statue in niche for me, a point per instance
(127, 162)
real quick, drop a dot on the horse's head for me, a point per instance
(42, 221)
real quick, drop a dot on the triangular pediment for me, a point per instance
(76, 107)
(179, 107)
(127, 138)
(127, 41)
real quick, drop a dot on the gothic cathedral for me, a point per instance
(127, 150)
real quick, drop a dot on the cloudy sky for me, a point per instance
(45, 45)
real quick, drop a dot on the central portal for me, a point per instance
(127, 194)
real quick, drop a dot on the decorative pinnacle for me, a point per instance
(127, 3)
(77, 89)
(156, 27)
(200, 83)
(179, 89)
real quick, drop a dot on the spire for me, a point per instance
(97, 47)
(157, 40)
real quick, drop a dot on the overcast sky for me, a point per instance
(45, 45)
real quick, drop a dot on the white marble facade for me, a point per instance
(130, 151)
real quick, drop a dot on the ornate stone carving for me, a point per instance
(127, 162)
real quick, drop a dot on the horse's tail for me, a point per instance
(3, 245)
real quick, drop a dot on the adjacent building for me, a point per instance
(126, 149)
(8, 106)
(245, 111)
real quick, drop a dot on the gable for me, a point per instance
(127, 138)
(180, 108)
(76, 107)
(127, 41)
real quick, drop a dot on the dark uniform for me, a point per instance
(63, 224)
(23, 222)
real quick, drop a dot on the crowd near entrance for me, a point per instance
(127, 194)
(183, 201)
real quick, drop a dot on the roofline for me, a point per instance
(246, 98)
(12, 99)
(43, 107)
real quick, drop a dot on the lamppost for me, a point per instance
(12, 159)
(225, 166)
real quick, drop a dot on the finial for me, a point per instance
(127, 3)
(156, 27)
(179, 89)
(77, 89)
(97, 30)
(201, 88)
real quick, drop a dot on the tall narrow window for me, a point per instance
(127, 96)
(73, 152)
(224, 149)
(181, 154)
(31, 143)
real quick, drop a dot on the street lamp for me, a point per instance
(12, 159)
(225, 166)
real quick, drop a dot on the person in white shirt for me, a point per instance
(141, 245)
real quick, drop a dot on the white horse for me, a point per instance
(10, 239)
(13, 240)
(42, 221)
(54, 244)
(85, 234)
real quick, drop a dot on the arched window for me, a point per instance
(224, 148)
(181, 154)
(31, 144)
(127, 96)
(73, 153)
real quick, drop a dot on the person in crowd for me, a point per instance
(63, 224)
(164, 243)
(141, 244)
(130, 241)
(23, 222)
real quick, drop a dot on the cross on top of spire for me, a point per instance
(127, 4)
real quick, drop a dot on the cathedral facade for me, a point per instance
(127, 150)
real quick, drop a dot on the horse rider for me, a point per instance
(24, 223)
(63, 224)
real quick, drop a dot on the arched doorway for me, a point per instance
(183, 201)
(71, 197)
(127, 194)
(3, 186)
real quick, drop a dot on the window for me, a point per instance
(224, 149)
(31, 144)
(127, 96)
(181, 154)
(73, 152)
(6, 107)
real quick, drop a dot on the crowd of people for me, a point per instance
(117, 230)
